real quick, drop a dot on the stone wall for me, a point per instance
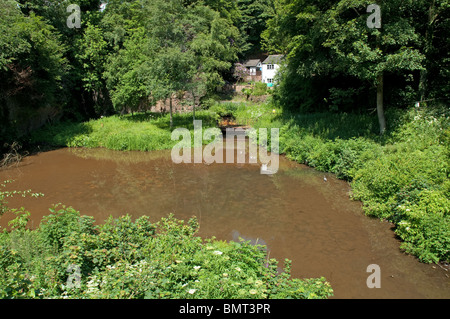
(178, 105)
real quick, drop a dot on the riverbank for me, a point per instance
(293, 212)
(138, 132)
(71, 258)
(401, 177)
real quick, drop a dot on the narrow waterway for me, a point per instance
(294, 212)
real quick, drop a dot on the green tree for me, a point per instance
(368, 54)
(433, 24)
(253, 17)
(92, 53)
(124, 78)
(330, 42)
(178, 48)
(170, 72)
(32, 67)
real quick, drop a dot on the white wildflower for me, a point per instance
(217, 252)
(191, 291)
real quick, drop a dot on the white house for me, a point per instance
(270, 67)
(254, 68)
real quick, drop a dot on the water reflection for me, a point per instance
(293, 212)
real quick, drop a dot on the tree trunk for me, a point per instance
(422, 84)
(380, 106)
(427, 48)
(170, 107)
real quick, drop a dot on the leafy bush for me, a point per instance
(402, 177)
(225, 109)
(70, 257)
(424, 225)
(259, 89)
(55, 227)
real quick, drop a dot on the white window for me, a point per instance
(269, 80)
(270, 67)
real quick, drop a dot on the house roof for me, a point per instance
(274, 59)
(250, 63)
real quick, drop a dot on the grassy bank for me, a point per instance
(139, 132)
(401, 177)
(69, 257)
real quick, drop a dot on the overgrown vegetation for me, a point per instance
(141, 131)
(137, 52)
(69, 256)
(402, 177)
(334, 61)
(123, 58)
(12, 154)
(257, 89)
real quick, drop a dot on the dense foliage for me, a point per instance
(402, 177)
(336, 62)
(69, 256)
(138, 132)
(123, 58)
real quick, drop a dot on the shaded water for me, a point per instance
(294, 212)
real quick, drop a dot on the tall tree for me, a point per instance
(332, 41)
(433, 23)
(179, 48)
(254, 15)
(125, 79)
(92, 53)
(32, 66)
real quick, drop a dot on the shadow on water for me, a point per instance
(294, 212)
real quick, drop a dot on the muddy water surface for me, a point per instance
(294, 212)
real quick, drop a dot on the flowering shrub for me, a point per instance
(70, 257)
(240, 72)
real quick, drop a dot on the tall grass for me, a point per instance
(141, 132)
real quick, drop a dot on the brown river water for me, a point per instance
(294, 212)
